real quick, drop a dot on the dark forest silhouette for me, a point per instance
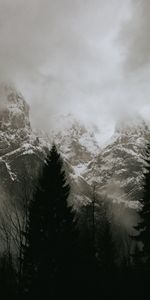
(65, 254)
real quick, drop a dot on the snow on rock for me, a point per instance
(119, 166)
(22, 152)
(12, 174)
(116, 169)
(78, 146)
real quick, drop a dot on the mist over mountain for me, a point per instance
(114, 169)
(21, 151)
(74, 148)
(120, 161)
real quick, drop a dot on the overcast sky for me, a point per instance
(90, 57)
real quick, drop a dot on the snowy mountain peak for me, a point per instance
(134, 125)
(75, 141)
(22, 152)
(14, 111)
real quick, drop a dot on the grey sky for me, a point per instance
(87, 56)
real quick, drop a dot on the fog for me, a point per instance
(90, 58)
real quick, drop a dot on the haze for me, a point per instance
(90, 58)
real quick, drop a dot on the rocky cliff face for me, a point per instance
(116, 172)
(78, 147)
(118, 169)
(21, 151)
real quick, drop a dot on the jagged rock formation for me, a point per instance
(78, 146)
(116, 171)
(21, 151)
(118, 175)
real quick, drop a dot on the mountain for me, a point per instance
(114, 171)
(21, 151)
(121, 164)
(117, 173)
(78, 146)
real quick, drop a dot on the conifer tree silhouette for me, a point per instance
(51, 234)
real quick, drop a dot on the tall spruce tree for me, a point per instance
(105, 243)
(97, 237)
(49, 251)
(143, 227)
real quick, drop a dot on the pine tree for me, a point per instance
(105, 242)
(97, 236)
(143, 227)
(49, 251)
(98, 251)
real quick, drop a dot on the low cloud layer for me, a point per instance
(136, 36)
(86, 57)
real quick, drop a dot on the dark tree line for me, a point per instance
(136, 274)
(51, 233)
(141, 257)
(62, 251)
(56, 256)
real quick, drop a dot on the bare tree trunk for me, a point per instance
(93, 221)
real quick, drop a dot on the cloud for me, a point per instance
(65, 57)
(135, 35)
(135, 50)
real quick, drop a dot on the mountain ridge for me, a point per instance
(115, 171)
